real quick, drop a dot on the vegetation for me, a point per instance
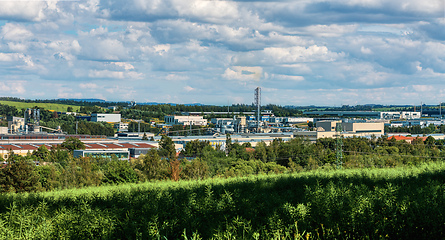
(400, 203)
(49, 106)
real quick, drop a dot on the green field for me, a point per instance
(389, 203)
(48, 106)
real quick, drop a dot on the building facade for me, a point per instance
(106, 117)
(185, 120)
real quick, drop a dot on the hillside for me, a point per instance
(48, 106)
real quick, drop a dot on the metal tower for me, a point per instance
(258, 105)
(339, 145)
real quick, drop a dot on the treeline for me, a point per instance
(417, 129)
(58, 169)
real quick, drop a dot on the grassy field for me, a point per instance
(397, 203)
(48, 106)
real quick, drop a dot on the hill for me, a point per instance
(48, 106)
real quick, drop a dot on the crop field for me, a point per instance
(387, 203)
(48, 106)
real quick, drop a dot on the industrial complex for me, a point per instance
(25, 135)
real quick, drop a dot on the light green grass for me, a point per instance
(48, 106)
(389, 203)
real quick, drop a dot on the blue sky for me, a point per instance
(302, 52)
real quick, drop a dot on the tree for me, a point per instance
(144, 137)
(72, 143)
(151, 166)
(19, 175)
(69, 109)
(41, 153)
(167, 147)
(118, 171)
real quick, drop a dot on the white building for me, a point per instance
(106, 117)
(400, 115)
(121, 127)
(185, 120)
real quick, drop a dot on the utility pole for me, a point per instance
(258, 105)
(339, 145)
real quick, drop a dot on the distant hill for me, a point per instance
(82, 100)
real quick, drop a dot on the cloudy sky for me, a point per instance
(300, 52)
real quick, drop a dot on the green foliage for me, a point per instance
(151, 166)
(397, 203)
(18, 175)
(72, 143)
(167, 147)
(119, 171)
(41, 154)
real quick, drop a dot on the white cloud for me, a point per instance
(293, 48)
(287, 77)
(13, 87)
(365, 50)
(124, 65)
(113, 74)
(23, 10)
(243, 73)
(333, 30)
(300, 54)
(15, 32)
(176, 77)
(189, 89)
(88, 86)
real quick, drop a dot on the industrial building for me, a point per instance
(328, 129)
(16, 124)
(367, 114)
(121, 127)
(106, 117)
(219, 141)
(121, 150)
(237, 124)
(185, 120)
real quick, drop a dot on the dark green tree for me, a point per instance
(118, 171)
(72, 143)
(144, 137)
(167, 147)
(19, 175)
(41, 153)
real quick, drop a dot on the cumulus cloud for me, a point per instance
(351, 51)
(113, 74)
(12, 87)
(243, 73)
(15, 32)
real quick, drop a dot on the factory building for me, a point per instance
(327, 129)
(16, 124)
(121, 150)
(367, 114)
(220, 141)
(106, 117)
(185, 120)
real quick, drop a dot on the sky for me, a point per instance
(300, 52)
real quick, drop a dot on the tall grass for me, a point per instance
(398, 203)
